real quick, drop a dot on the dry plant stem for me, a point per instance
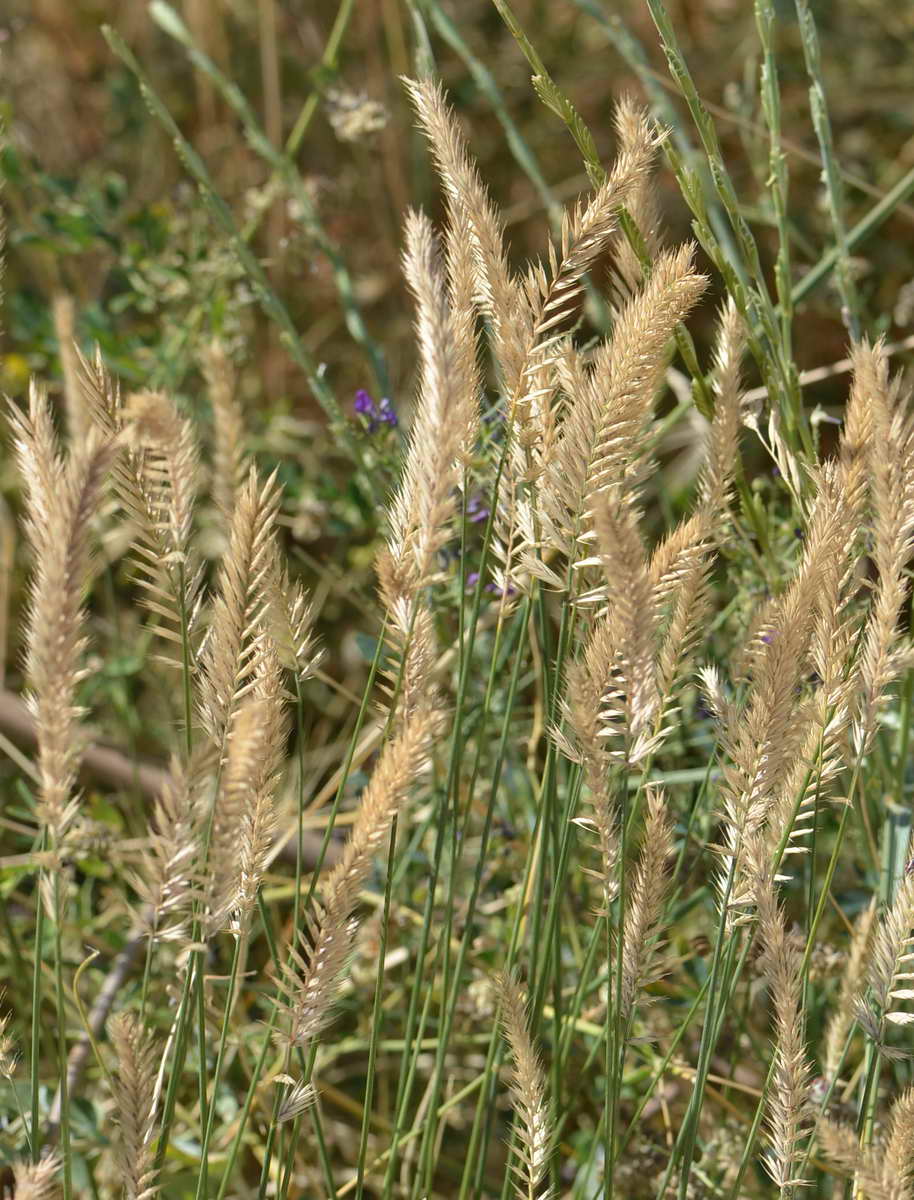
(97, 1016)
(35, 1046)
(67, 1165)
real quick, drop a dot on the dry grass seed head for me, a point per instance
(788, 1099)
(229, 453)
(310, 983)
(62, 498)
(236, 637)
(134, 1095)
(244, 815)
(38, 1181)
(533, 1124)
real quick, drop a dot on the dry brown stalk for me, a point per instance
(63, 311)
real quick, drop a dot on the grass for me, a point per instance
(505, 793)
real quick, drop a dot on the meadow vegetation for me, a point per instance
(455, 734)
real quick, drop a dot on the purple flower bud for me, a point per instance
(363, 403)
(476, 510)
(386, 413)
(472, 580)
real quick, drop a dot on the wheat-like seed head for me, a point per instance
(236, 637)
(788, 1102)
(646, 903)
(165, 882)
(62, 498)
(244, 816)
(890, 465)
(528, 1092)
(309, 983)
(134, 1094)
(883, 1171)
(851, 991)
(229, 453)
(38, 1181)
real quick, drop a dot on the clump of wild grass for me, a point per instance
(587, 750)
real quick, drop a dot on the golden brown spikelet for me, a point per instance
(165, 881)
(244, 817)
(765, 740)
(828, 711)
(839, 1143)
(585, 691)
(9, 1055)
(890, 460)
(899, 1145)
(498, 294)
(229, 455)
(601, 440)
(423, 506)
(63, 311)
(788, 1097)
(857, 429)
(458, 254)
(631, 700)
(62, 498)
(646, 903)
(134, 1095)
(236, 635)
(291, 622)
(634, 128)
(154, 480)
(682, 600)
(533, 1124)
(891, 967)
(309, 983)
(37, 1181)
(850, 992)
(883, 1171)
(628, 369)
(421, 514)
(165, 468)
(586, 231)
(723, 435)
(297, 1100)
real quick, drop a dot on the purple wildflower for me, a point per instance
(386, 413)
(363, 403)
(476, 510)
(497, 591)
(472, 580)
